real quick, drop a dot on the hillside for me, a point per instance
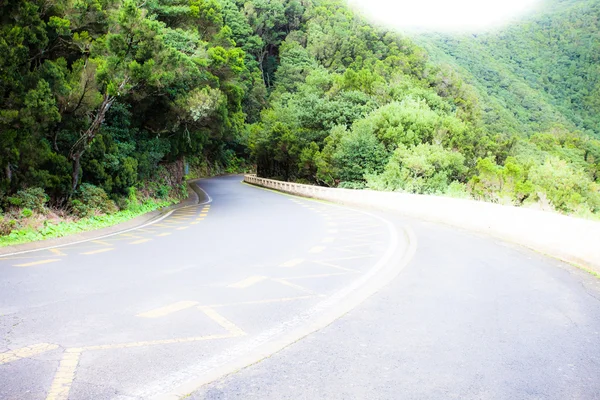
(535, 74)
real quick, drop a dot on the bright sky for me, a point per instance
(444, 15)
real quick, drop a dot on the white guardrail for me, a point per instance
(574, 240)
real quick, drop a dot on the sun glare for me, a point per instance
(444, 15)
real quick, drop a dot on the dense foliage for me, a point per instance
(356, 106)
(114, 93)
(104, 99)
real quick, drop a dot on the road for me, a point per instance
(338, 303)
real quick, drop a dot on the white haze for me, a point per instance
(440, 15)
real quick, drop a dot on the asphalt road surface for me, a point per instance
(261, 295)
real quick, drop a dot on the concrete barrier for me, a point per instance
(570, 239)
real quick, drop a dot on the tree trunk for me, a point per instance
(75, 174)
(88, 136)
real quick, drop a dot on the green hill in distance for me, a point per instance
(535, 74)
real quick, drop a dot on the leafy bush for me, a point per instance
(26, 212)
(90, 200)
(32, 198)
(569, 189)
(424, 169)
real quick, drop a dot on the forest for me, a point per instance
(110, 105)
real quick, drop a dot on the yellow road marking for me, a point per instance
(182, 228)
(203, 215)
(57, 252)
(281, 300)
(328, 240)
(101, 242)
(317, 249)
(320, 275)
(140, 241)
(232, 328)
(194, 223)
(25, 352)
(164, 234)
(63, 379)
(335, 266)
(248, 282)
(31, 264)
(129, 235)
(292, 263)
(290, 284)
(89, 253)
(170, 309)
(157, 342)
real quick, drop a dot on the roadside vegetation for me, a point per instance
(353, 105)
(107, 106)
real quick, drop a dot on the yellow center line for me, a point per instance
(140, 241)
(182, 228)
(65, 374)
(57, 252)
(101, 242)
(89, 253)
(317, 249)
(232, 328)
(202, 215)
(248, 282)
(292, 263)
(290, 284)
(164, 234)
(166, 310)
(31, 264)
(25, 352)
(267, 301)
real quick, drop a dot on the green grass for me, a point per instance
(66, 228)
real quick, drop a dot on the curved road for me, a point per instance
(168, 310)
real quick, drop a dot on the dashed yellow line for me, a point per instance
(164, 234)
(89, 253)
(101, 242)
(292, 263)
(182, 228)
(232, 328)
(166, 310)
(317, 249)
(253, 280)
(203, 215)
(25, 352)
(31, 264)
(158, 342)
(57, 252)
(335, 266)
(63, 379)
(267, 301)
(129, 235)
(290, 284)
(141, 241)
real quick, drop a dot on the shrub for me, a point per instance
(423, 169)
(26, 212)
(90, 199)
(33, 198)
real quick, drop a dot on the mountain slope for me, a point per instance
(536, 74)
